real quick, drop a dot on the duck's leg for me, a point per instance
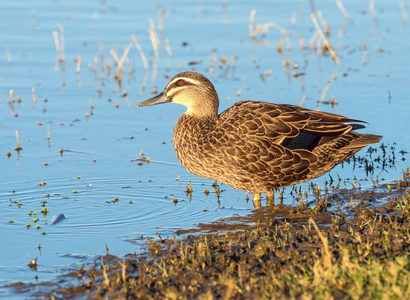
(256, 200)
(270, 198)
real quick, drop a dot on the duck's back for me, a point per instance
(259, 146)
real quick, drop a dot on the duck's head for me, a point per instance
(191, 89)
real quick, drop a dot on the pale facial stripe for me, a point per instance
(193, 81)
(175, 90)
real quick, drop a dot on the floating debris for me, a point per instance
(18, 148)
(58, 218)
(33, 264)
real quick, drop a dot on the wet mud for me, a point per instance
(347, 243)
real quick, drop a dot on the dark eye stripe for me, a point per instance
(187, 81)
(175, 84)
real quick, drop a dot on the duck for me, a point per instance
(256, 146)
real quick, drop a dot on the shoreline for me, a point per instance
(335, 248)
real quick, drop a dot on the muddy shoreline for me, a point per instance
(347, 244)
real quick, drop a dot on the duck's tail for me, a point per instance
(364, 140)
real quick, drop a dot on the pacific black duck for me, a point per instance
(256, 146)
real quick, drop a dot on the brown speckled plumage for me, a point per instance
(256, 146)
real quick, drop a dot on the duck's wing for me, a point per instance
(282, 141)
(282, 124)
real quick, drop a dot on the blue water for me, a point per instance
(79, 187)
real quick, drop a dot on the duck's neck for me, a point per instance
(202, 112)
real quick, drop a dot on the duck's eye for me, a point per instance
(180, 82)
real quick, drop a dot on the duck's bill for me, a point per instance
(158, 99)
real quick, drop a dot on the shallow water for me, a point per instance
(371, 85)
